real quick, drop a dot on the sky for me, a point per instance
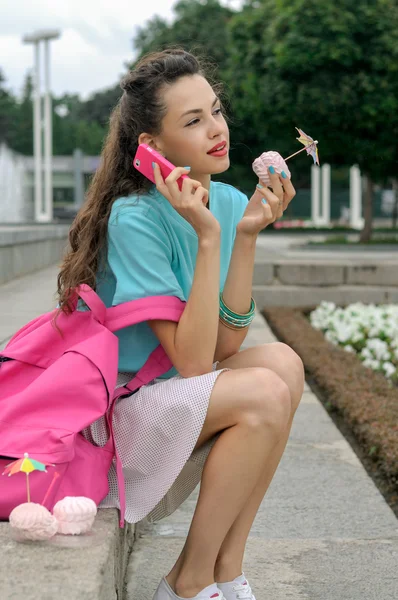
(95, 40)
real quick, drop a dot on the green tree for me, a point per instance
(88, 136)
(199, 25)
(22, 129)
(329, 68)
(99, 106)
(7, 111)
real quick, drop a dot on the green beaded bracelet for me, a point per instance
(235, 314)
(234, 327)
(235, 320)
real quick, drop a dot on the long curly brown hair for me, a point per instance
(140, 109)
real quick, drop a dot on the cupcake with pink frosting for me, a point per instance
(264, 161)
(75, 514)
(31, 521)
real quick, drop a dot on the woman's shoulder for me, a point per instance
(132, 208)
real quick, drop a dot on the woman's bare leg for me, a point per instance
(238, 455)
(229, 562)
(282, 360)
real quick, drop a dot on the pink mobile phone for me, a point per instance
(144, 158)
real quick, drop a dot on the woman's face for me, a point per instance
(193, 125)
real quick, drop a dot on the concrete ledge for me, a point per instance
(296, 295)
(372, 274)
(23, 234)
(310, 274)
(24, 250)
(324, 272)
(263, 273)
(92, 566)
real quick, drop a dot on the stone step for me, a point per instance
(304, 295)
(325, 273)
(92, 566)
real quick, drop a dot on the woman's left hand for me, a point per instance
(258, 214)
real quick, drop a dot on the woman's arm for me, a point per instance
(237, 293)
(190, 343)
(263, 208)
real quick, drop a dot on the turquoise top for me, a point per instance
(152, 251)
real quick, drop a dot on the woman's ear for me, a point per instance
(145, 138)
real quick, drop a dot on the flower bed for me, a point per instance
(369, 331)
(362, 401)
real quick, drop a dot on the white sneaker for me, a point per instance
(164, 592)
(238, 589)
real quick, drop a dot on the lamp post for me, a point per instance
(42, 214)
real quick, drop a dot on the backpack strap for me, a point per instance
(91, 298)
(169, 308)
(136, 311)
(128, 313)
(157, 364)
(123, 315)
(111, 447)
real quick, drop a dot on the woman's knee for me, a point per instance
(269, 399)
(291, 359)
(297, 369)
(291, 370)
(287, 357)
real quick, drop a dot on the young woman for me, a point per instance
(220, 416)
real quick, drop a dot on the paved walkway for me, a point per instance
(323, 531)
(24, 299)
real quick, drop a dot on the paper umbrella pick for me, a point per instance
(310, 145)
(24, 465)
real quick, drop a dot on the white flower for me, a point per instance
(379, 349)
(394, 342)
(389, 369)
(327, 307)
(343, 332)
(373, 328)
(330, 336)
(357, 336)
(366, 353)
(348, 348)
(373, 364)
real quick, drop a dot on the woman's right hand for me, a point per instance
(190, 202)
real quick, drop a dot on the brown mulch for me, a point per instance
(360, 400)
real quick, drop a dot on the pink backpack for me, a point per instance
(54, 385)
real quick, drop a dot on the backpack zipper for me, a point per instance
(4, 359)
